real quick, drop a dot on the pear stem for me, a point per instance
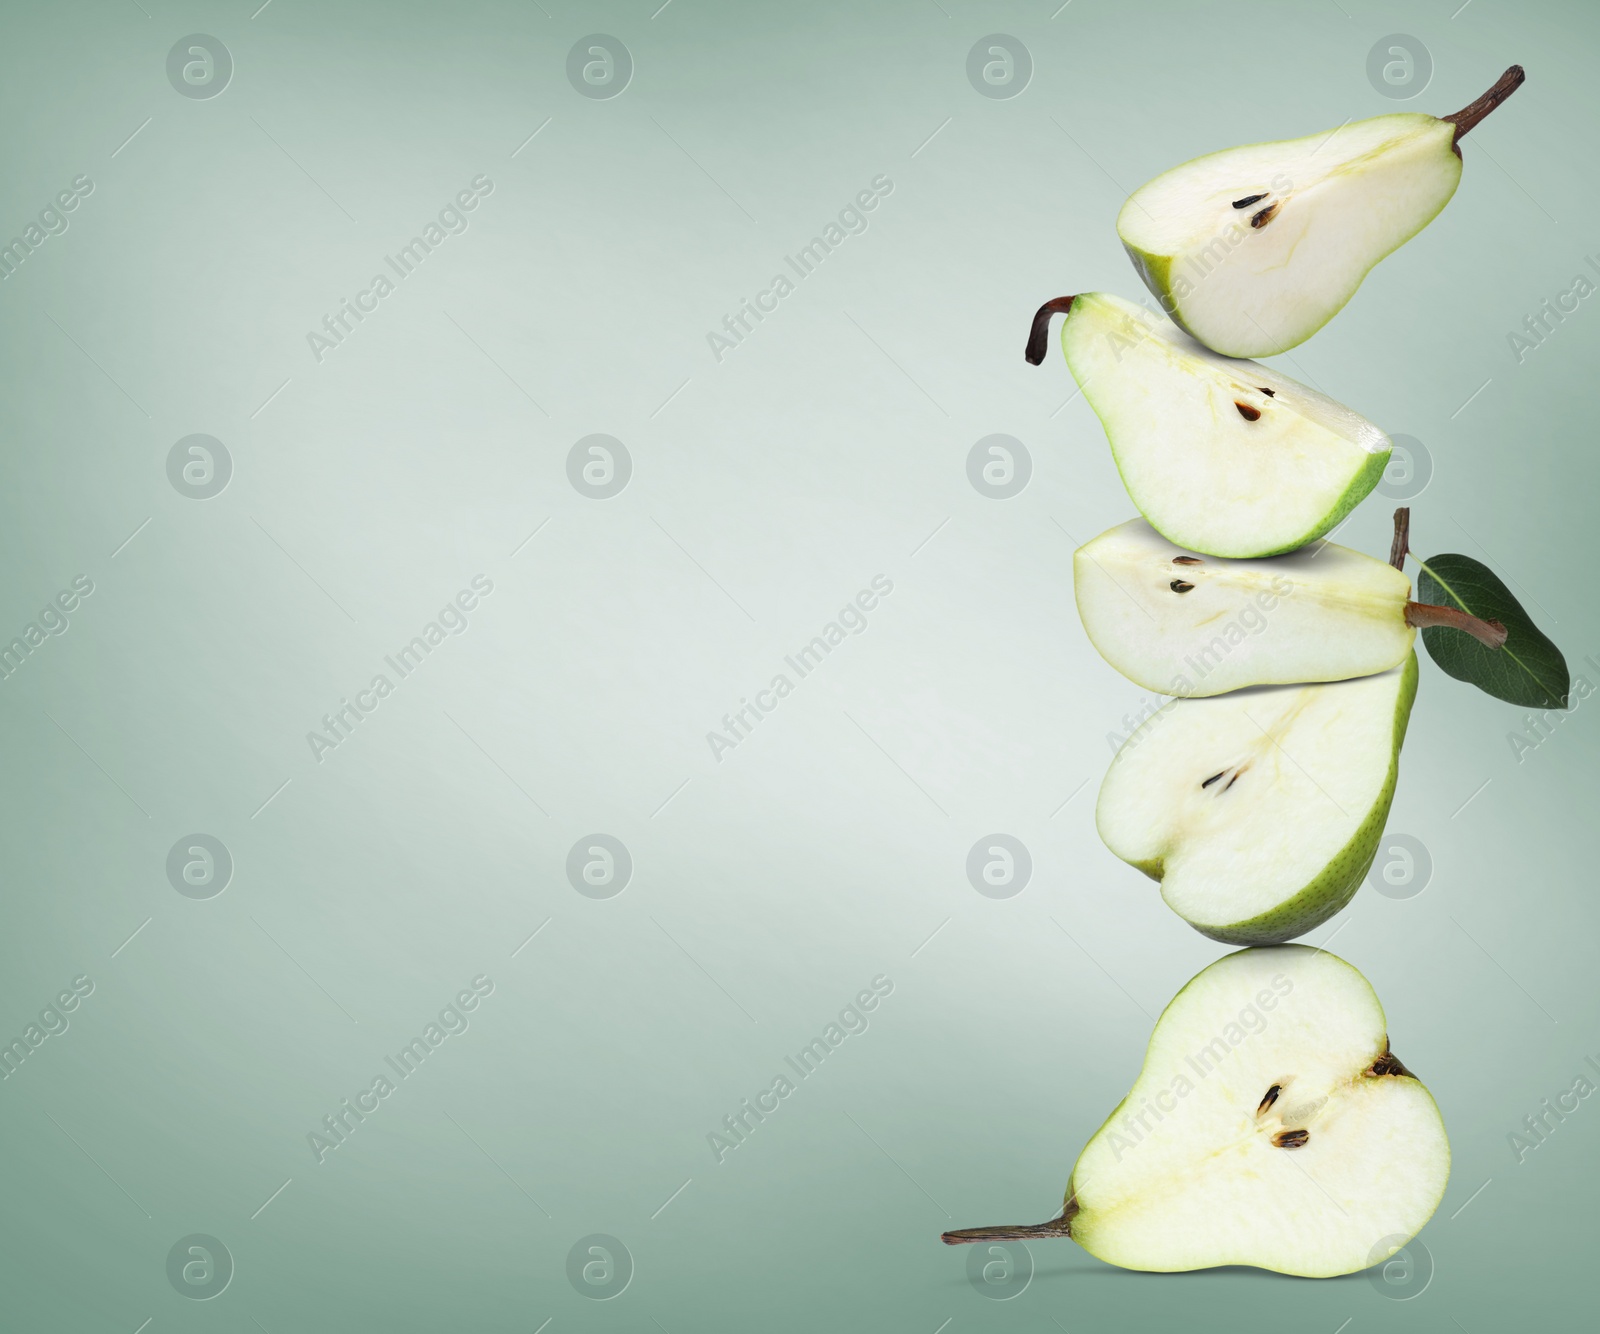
(1039, 334)
(1060, 1226)
(1492, 634)
(1402, 538)
(1473, 112)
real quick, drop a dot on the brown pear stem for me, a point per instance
(1039, 334)
(1489, 633)
(1401, 545)
(1473, 112)
(1060, 1226)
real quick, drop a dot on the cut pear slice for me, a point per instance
(1270, 1126)
(1254, 249)
(1260, 812)
(1224, 457)
(1182, 624)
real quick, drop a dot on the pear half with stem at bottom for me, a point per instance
(1270, 1126)
(1225, 457)
(1254, 249)
(1260, 812)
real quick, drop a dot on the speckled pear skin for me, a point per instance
(1340, 879)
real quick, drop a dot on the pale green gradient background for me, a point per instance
(802, 465)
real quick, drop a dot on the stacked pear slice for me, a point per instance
(1271, 1126)
(1260, 812)
(1254, 249)
(1180, 623)
(1223, 456)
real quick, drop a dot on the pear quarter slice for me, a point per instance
(1224, 457)
(1182, 624)
(1270, 1126)
(1254, 249)
(1260, 812)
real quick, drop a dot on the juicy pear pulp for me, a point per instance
(1269, 1127)
(1225, 457)
(1182, 624)
(1254, 249)
(1260, 812)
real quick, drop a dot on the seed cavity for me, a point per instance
(1179, 586)
(1272, 1093)
(1248, 200)
(1291, 1139)
(1249, 413)
(1232, 775)
(1187, 560)
(1266, 215)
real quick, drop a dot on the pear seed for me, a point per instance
(1249, 413)
(1248, 200)
(1187, 560)
(1290, 1139)
(1178, 586)
(1272, 1093)
(1266, 215)
(1270, 393)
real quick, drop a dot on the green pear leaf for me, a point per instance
(1527, 670)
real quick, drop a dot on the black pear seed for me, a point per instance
(1248, 200)
(1178, 586)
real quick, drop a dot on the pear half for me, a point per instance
(1271, 1126)
(1182, 624)
(1254, 249)
(1260, 812)
(1225, 457)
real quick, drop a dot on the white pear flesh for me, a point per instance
(1182, 624)
(1259, 279)
(1190, 1171)
(1224, 457)
(1260, 812)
